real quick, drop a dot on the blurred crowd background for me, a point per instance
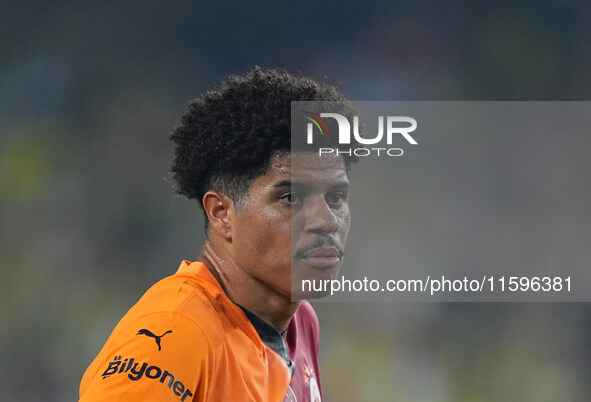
(89, 217)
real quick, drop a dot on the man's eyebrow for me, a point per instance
(282, 183)
(289, 183)
(342, 184)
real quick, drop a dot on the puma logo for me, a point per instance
(150, 334)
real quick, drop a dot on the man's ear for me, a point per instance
(219, 210)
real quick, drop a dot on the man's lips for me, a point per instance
(323, 257)
(323, 252)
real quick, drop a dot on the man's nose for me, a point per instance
(320, 217)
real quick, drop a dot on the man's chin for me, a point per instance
(308, 295)
(311, 282)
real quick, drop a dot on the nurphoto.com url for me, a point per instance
(441, 284)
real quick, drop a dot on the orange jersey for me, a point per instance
(185, 340)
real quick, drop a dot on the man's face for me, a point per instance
(294, 222)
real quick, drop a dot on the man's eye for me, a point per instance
(291, 198)
(336, 198)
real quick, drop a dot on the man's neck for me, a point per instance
(259, 298)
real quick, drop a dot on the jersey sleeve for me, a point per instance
(163, 356)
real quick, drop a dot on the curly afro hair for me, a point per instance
(227, 136)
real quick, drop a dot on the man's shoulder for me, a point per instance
(174, 328)
(185, 295)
